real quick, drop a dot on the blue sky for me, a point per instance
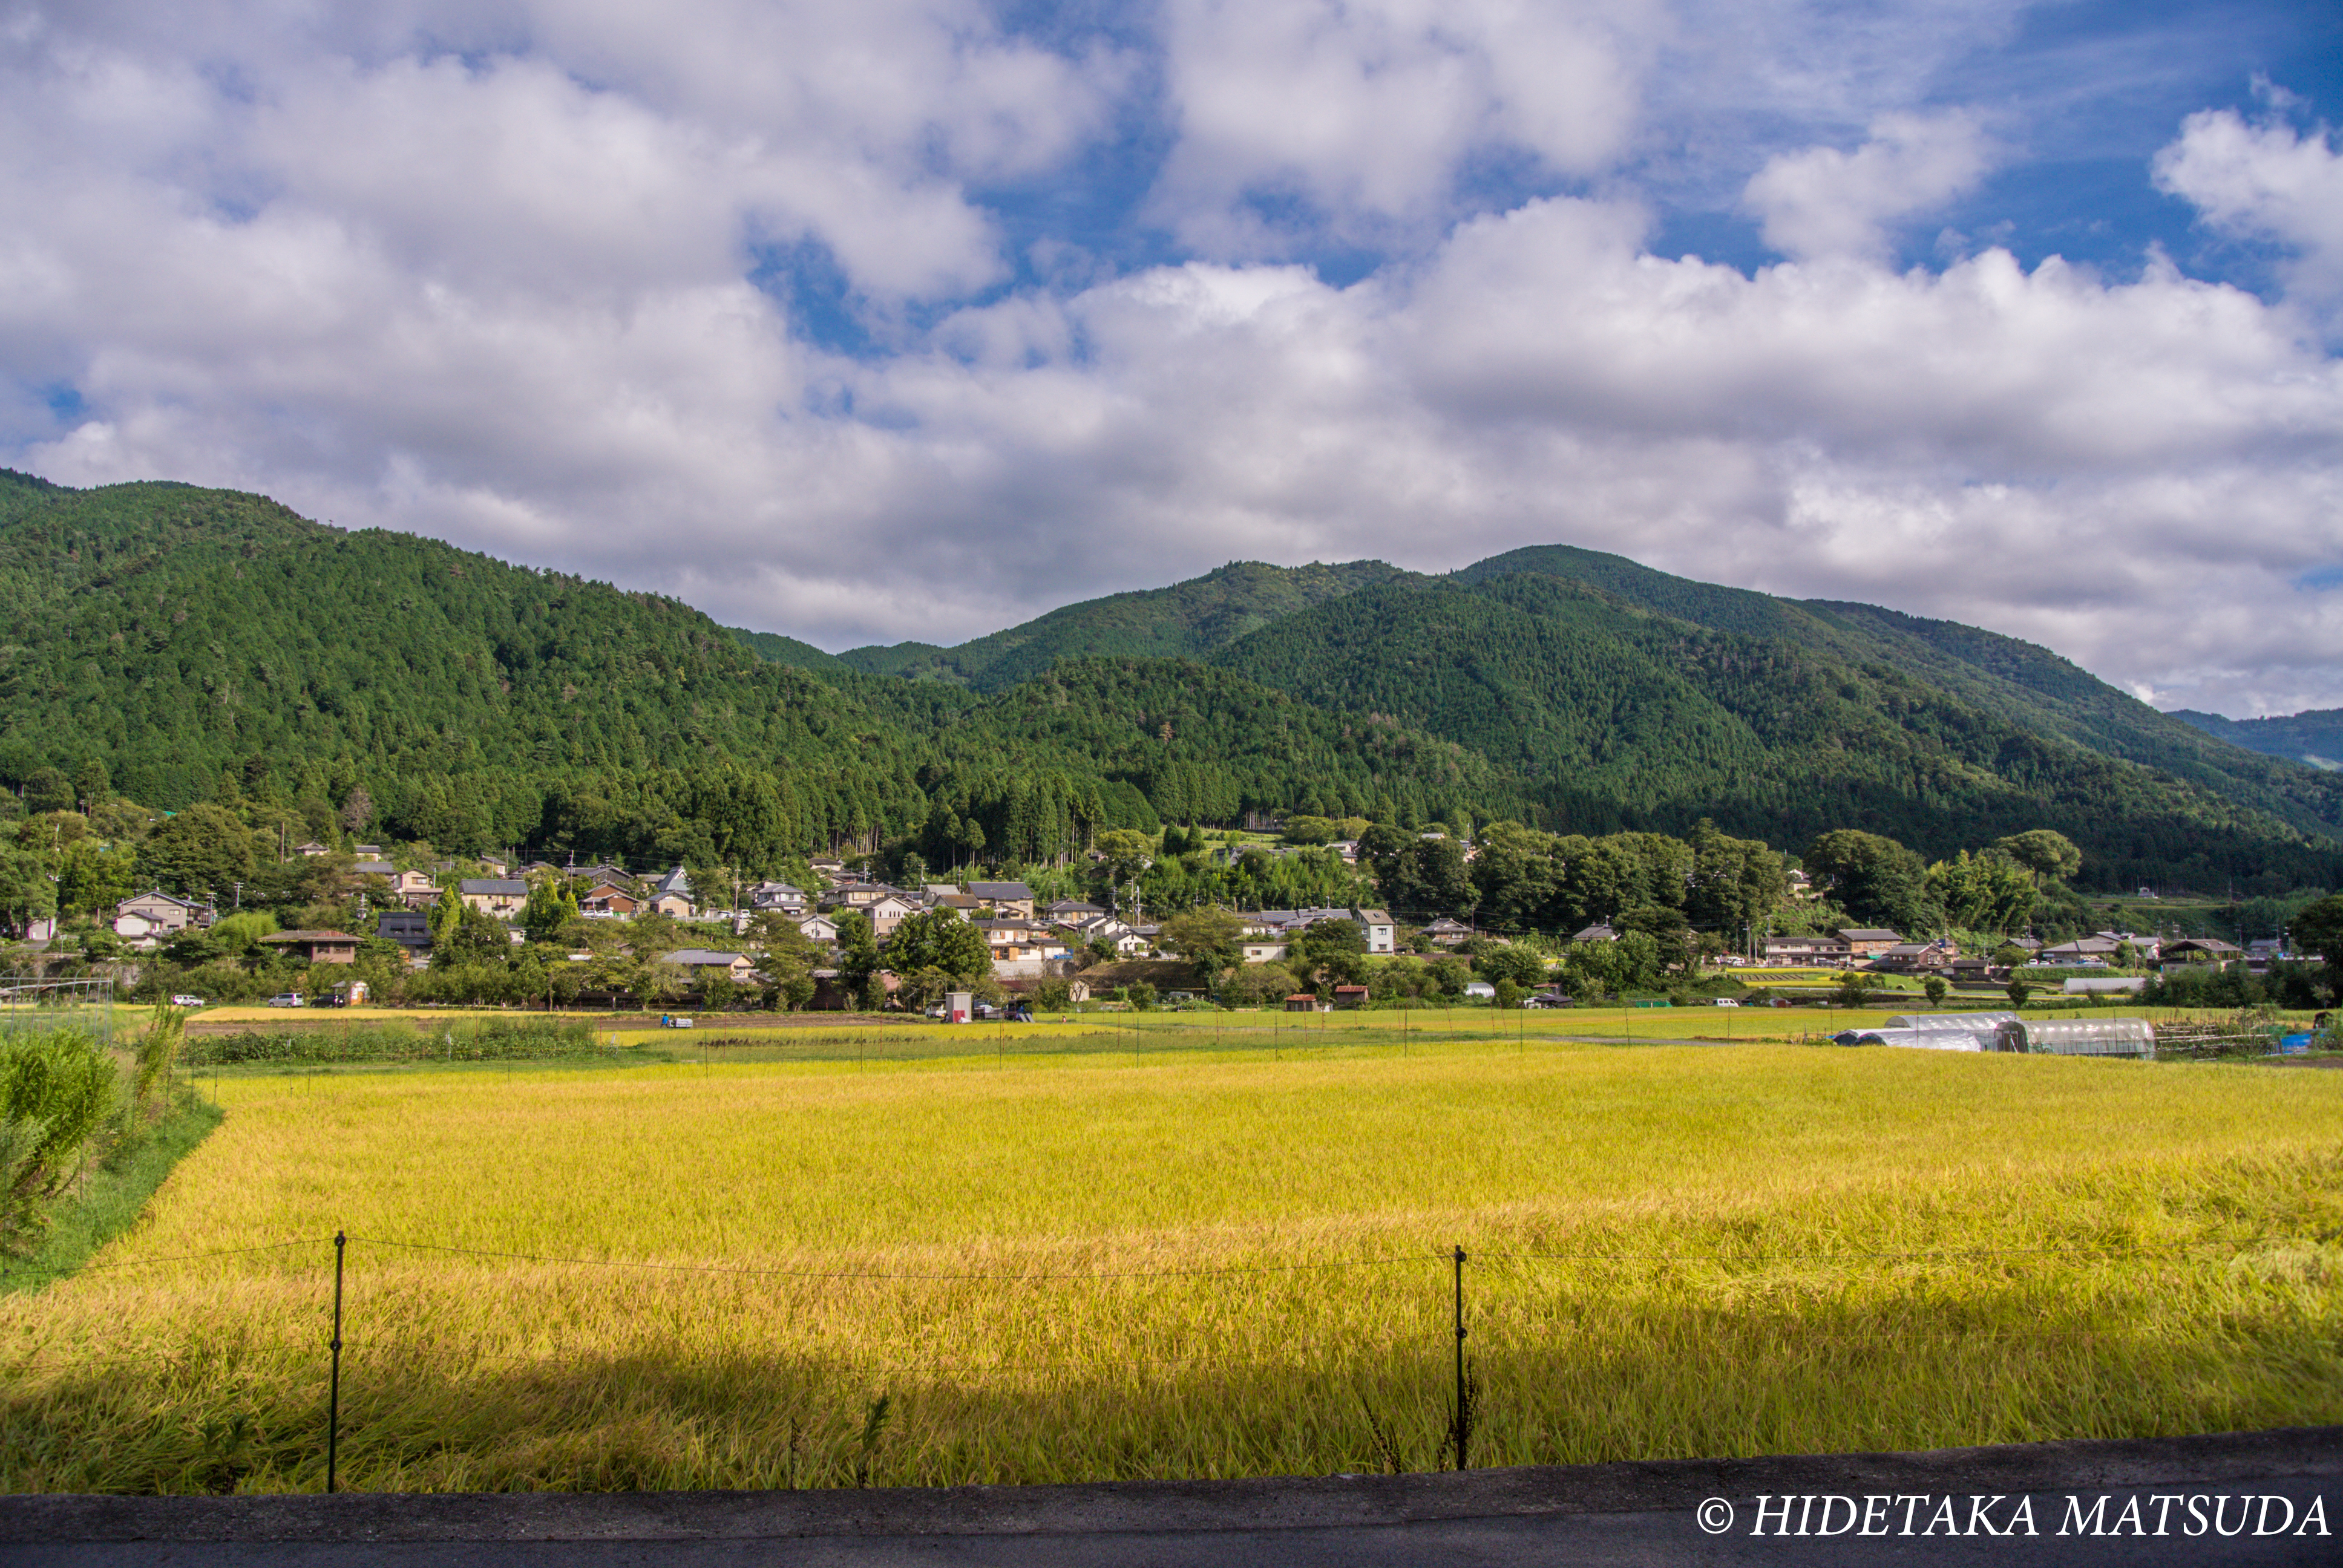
(912, 319)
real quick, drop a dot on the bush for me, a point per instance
(471, 1039)
(57, 1087)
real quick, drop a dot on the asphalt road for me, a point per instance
(2236, 1499)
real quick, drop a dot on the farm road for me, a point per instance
(2249, 1496)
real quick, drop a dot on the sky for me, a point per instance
(914, 319)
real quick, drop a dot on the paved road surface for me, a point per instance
(2256, 1498)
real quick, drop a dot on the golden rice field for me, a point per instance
(1027, 1270)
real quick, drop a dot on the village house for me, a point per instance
(785, 897)
(1917, 958)
(1375, 925)
(1869, 941)
(1601, 932)
(315, 947)
(310, 851)
(856, 895)
(155, 915)
(412, 888)
(2199, 950)
(1126, 941)
(673, 896)
(608, 900)
(1447, 932)
(1020, 941)
(889, 911)
(410, 929)
(703, 962)
(499, 896)
(1807, 952)
(819, 929)
(1264, 949)
(1007, 900)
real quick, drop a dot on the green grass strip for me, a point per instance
(109, 1200)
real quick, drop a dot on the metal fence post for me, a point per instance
(1463, 1397)
(334, 1387)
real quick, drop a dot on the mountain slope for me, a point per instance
(1186, 620)
(201, 643)
(1618, 717)
(204, 644)
(2314, 736)
(2017, 682)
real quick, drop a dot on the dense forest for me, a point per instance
(2314, 736)
(181, 646)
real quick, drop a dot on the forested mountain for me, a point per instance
(1616, 718)
(2314, 736)
(2016, 681)
(1187, 619)
(202, 645)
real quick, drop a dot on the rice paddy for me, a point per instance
(1038, 1255)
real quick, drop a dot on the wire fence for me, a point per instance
(1456, 1297)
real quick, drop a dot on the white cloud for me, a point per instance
(486, 272)
(1364, 111)
(2266, 182)
(1821, 202)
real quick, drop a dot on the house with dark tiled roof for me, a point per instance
(672, 895)
(315, 947)
(499, 896)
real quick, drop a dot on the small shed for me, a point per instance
(1349, 997)
(1301, 1001)
(2132, 1037)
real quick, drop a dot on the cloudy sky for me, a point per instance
(910, 318)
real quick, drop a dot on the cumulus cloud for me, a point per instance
(1821, 202)
(497, 273)
(1360, 112)
(2266, 182)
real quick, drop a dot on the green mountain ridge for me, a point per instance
(2313, 737)
(1186, 620)
(203, 642)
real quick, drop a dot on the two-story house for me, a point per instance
(499, 896)
(152, 916)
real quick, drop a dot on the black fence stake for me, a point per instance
(1463, 1397)
(334, 1387)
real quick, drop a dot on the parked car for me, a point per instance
(671, 1021)
(187, 1001)
(1546, 998)
(288, 999)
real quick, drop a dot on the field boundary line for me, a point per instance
(198, 1257)
(856, 1364)
(903, 1275)
(2172, 1250)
